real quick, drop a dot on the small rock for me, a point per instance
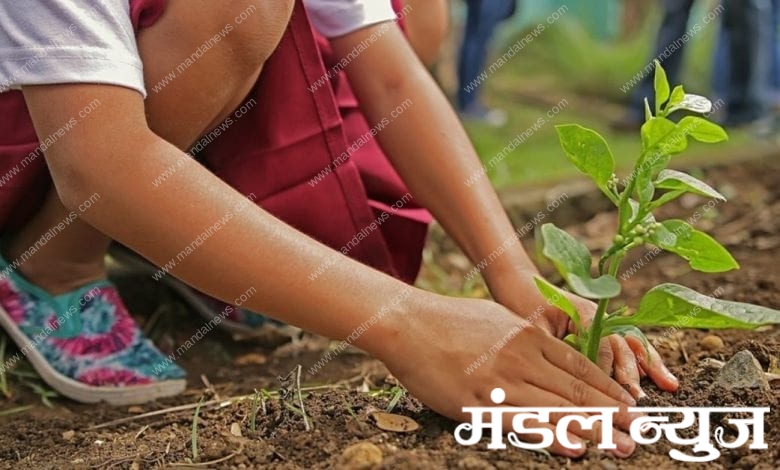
(137, 410)
(712, 343)
(742, 371)
(362, 455)
(251, 359)
(235, 429)
(135, 466)
(393, 422)
(68, 435)
(474, 463)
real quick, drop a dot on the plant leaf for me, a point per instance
(572, 260)
(648, 111)
(703, 130)
(626, 330)
(663, 237)
(701, 251)
(694, 103)
(677, 97)
(679, 181)
(588, 151)
(556, 298)
(657, 162)
(644, 187)
(661, 84)
(568, 254)
(664, 135)
(603, 287)
(570, 339)
(678, 306)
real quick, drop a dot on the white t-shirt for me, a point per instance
(334, 18)
(68, 41)
(92, 41)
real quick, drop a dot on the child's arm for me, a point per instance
(430, 149)
(426, 340)
(114, 153)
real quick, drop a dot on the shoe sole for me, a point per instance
(75, 390)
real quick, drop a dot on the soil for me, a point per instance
(219, 368)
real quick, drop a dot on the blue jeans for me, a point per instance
(774, 82)
(673, 26)
(483, 17)
(746, 58)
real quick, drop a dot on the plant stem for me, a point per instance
(594, 336)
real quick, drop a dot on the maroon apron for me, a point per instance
(274, 151)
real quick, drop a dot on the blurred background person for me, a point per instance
(669, 50)
(482, 19)
(745, 69)
(775, 47)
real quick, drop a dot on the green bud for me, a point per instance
(639, 240)
(618, 239)
(640, 229)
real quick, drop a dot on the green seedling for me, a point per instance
(194, 433)
(395, 394)
(255, 407)
(259, 400)
(44, 393)
(17, 410)
(649, 186)
(399, 393)
(26, 376)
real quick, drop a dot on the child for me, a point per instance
(202, 229)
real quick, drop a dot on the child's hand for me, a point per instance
(625, 358)
(452, 352)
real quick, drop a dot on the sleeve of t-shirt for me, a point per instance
(333, 18)
(45, 42)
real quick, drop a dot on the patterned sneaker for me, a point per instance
(241, 323)
(85, 344)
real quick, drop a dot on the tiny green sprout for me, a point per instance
(648, 187)
(194, 432)
(255, 408)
